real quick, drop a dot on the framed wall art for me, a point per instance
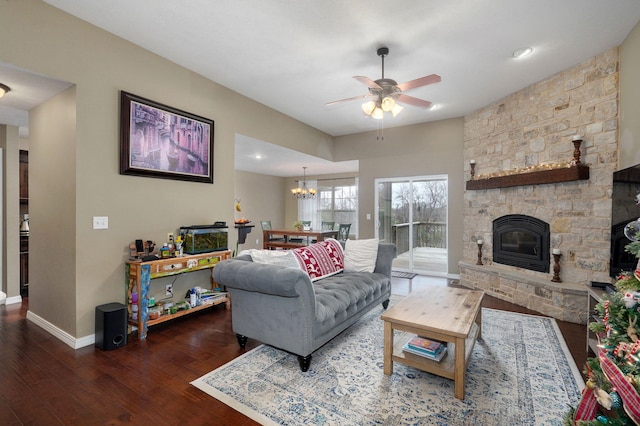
(163, 142)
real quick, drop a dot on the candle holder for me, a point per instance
(479, 262)
(473, 170)
(556, 268)
(576, 151)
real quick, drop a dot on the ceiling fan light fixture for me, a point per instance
(368, 107)
(4, 90)
(396, 110)
(388, 103)
(377, 113)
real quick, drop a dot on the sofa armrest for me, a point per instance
(271, 303)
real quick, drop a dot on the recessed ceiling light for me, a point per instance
(434, 107)
(258, 157)
(522, 52)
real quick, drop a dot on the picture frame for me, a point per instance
(160, 141)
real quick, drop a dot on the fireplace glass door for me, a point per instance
(412, 214)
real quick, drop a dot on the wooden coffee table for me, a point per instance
(447, 314)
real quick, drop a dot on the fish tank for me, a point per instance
(204, 238)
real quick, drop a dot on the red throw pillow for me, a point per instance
(320, 260)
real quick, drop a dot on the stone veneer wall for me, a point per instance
(534, 127)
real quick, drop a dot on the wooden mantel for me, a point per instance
(566, 174)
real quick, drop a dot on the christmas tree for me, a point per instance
(611, 395)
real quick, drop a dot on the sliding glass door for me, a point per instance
(412, 214)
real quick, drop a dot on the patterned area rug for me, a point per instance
(521, 373)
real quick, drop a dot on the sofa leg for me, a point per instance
(385, 304)
(242, 340)
(305, 362)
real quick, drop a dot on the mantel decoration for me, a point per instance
(163, 142)
(302, 191)
(479, 242)
(532, 175)
(556, 265)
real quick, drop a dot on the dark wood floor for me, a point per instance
(45, 382)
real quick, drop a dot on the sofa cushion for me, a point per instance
(339, 296)
(320, 260)
(360, 255)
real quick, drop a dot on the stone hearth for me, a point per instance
(564, 301)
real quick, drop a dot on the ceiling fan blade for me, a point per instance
(419, 82)
(410, 100)
(349, 99)
(367, 82)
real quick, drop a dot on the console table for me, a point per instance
(138, 276)
(269, 234)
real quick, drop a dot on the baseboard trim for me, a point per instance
(60, 334)
(13, 299)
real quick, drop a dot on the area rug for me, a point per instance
(398, 274)
(521, 373)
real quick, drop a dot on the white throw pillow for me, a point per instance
(282, 258)
(360, 255)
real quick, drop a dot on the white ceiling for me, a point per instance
(295, 56)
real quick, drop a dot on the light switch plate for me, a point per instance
(100, 222)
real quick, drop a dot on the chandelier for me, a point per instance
(302, 192)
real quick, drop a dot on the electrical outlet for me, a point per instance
(170, 237)
(168, 290)
(257, 241)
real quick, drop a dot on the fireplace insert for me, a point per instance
(521, 241)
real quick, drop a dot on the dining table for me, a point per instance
(293, 238)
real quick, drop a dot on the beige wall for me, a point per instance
(10, 253)
(55, 251)
(262, 199)
(629, 153)
(424, 149)
(73, 267)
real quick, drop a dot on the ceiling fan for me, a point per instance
(385, 94)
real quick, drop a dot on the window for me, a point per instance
(337, 201)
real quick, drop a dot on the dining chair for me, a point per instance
(305, 224)
(325, 226)
(266, 226)
(343, 231)
(328, 226)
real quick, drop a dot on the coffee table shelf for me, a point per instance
(447, 314)
(443, 368)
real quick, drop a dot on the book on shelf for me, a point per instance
(425, 345)
(435, 357)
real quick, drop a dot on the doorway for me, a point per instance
(412, 213)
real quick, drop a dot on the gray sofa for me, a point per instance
(281, 307)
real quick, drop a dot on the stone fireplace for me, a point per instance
(533, 130)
